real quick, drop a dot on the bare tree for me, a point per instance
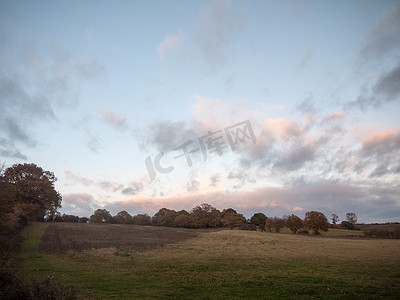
(351, 218)
(334, 218)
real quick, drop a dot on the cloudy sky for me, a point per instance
(277, 107)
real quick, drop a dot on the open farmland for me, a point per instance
(61, 237)
(225, 264)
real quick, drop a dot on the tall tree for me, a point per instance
(31, 190)
(205, 215)
(164, 217)
(259, 219)
(278, 223)
(351, 218)
(334, 218)
(294, 223)
(233, 219)
(123, 217)
(6, 203)
(316, 221)
(141, 219)
(101, 216)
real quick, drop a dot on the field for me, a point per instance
(169, 263)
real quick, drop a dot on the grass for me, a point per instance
(225, 264)
(331, 232)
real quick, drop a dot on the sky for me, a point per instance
(279, 107)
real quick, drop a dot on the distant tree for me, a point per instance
(6, 202)
(57, 218)
(30, 191)
(233, 219)
(205, 215)
(141, 219)
(258, 219)
(169, 218)
(101, 216)
(316, 221)
(248, 226)
(164, 217)
(278, 223)
(83, 220)
(183, 220)
(334, 218)
(351, 218)
(228, 211)
(274, 223)
(269, 224)
(123, 217)
(294, 223)
(70, 218)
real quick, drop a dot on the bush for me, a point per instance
(388, 234)
(348, 225)
(13, 287)
(245, 226)
(304, 231)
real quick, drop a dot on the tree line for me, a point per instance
(207, 216)
(27, 194)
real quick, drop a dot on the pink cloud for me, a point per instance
(387, 138)
(77, 179)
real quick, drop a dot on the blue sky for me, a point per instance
(91, 89)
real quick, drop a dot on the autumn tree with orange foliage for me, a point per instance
(316, 221)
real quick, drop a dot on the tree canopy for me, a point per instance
(316, 221)
(28, 190)
(294, 223)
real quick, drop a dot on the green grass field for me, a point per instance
(226, 264)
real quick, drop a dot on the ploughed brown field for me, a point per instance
(61, 237)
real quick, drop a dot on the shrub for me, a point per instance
(348, 225)
(304, 231)
(245, 226)
(14, 287)
(388, 234)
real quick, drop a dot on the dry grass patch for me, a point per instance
(231, 244)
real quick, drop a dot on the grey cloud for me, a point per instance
(388, 84)
(218, 23)
(14, 131)
(94, 144)
(384, 143)
(305, 60)
(241, 177)
(109, 185)
(297, 156)
(192, 186)
(103, 184)
(385, 90)
(78, 204)
(380, 152)
(91, 68)
(380, 170)
(369, 203)
(33, 87)
(307, 106)
(385, 36)
(133, 189)
(214, 179)
(7, 149)
(167, 135)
